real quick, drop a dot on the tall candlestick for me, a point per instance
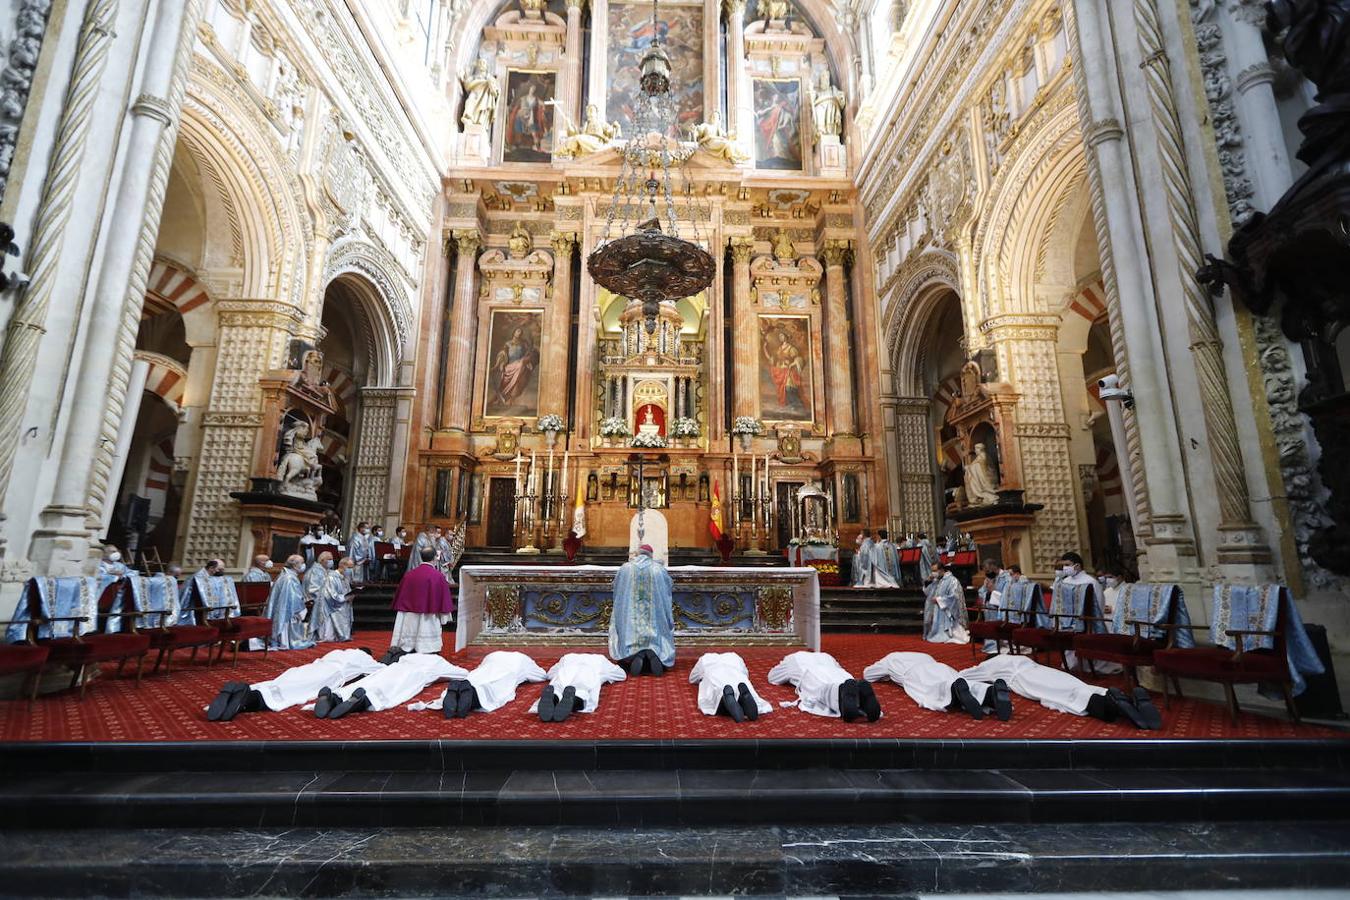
(518, 461)
(754, 484)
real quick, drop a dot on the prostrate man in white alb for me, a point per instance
(296, 685)
(574, 685)
(937, 686)
(489, 687)
(825, 688)
(1062, 692)
(392, 685)
(724, 687)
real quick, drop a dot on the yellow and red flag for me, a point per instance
(715, 519)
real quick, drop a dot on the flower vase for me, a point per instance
(745, 441)
(550, 439)
(606, 441)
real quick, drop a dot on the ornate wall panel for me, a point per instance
(370, 475)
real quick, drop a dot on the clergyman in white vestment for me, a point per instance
(724, 686)
(937, 686)
(574, 684)
(296, 685)
(825, 688)
(394, 684)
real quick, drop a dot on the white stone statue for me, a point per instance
(481, 92)
(827, 107)
(593, 135)
(981, 482)
(714, 139)
(300, 471)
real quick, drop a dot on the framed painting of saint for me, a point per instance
(778, 124)
(785, 385)
(513, 363)
(529, 116)
(680, 29)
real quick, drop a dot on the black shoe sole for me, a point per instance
(731, 706)
(566, 704)
(849, 704)
(1152, 716)
(357, 699)
(1002, 700)
(748, 704)
(966, 700)
(323, 704)
(635, 665)
(1127, 708)
(867, 697)
(222, 701)
(548, 701)
(654, 665)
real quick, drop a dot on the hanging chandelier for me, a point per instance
(640, 260)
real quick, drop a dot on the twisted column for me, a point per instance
(28, 324)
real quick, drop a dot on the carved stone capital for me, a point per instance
(468, 240)
(563, 242)
(742, 248)
(835, 252)
(153, 107)
(735, 8)
(1255, 75)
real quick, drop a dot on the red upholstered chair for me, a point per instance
(250, 624)
(1231, 667)
(383, 549)
(997, 624)
(16, 659)
(167, 638)
(1060, 636)
(81, 651)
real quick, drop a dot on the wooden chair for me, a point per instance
(16, 659)
(168, 638)
(1060, 636)
(1005, 621)
(1135, 648)
(248, 625)
(81, 651)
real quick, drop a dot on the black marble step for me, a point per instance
(677, 797)
(788, 861)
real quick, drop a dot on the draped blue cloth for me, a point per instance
(1256, 607)
(644, 612)
(1021, 597)
(254, 574)
(1065, 599)
(1157, 604)
(886, 560)
(862, 563)
(74, 596)
(999, 586)
(210, 592)
(286, 609)
(424, 540)
(332, 616)
(315, 577)
(927, 558)
(149, 593)
(944, 613)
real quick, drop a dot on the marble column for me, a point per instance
(599, 57)
(838, 369)
(740, 108)
(463, 334)
(745, 362)
(572, 61)
(553, 368)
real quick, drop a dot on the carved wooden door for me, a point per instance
(501, 512)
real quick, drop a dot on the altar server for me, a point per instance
(724, 687)
(362, 551)
(331, 619)
(944, 611)
(286, 608)
(386, 688)
(423, 603)
(885, 561)
(1062, 692)
(824, 688)
(259, 570)
(862, 560)
(1070, 571)
(991, 593)
(110, 567)
(642, 627)
(937, 686)
(488, 687)
(296, 685)
(574, 684)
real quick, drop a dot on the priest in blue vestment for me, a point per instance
(944, 613)
(286, 608)
(885, 561)
(862, 560)
(642, 627)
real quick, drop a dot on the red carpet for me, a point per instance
(171, 709)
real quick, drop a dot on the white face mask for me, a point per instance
(364, 530)
(1110, 582)
(1066, 571)
(299, 567)
(328, 564)
(114, 557)
(267, 564)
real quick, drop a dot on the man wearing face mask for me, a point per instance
(286, 608)
(996, 581)
(314, 579)
(1069, 570)
(1111, 583)
(110, 567)
(210, 589)
(362, 551)
(259, 571)
(331, 619)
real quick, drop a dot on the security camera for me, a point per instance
(1109, 389)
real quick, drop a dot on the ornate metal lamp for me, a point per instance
(642, 261)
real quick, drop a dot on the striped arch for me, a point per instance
(344, 389)
(333, 448)
(167, 378)
(172, 287)
(157, 477)
(1089, 303)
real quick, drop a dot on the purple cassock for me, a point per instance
(424, 591)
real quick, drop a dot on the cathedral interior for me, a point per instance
(1033, 277)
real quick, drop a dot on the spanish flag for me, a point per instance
(715, 518)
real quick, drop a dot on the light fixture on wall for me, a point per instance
(637, 258)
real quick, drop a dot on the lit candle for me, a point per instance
(754, 484)
(518, 461)
(532, 480)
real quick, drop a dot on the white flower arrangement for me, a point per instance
(550, 422)
(684, 427)
(648, 439)
(614, 426)
(747, 425)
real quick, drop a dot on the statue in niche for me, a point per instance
(593, 135)
(981, 481)
(481, 93)
(827, 107)
(519, 243)
(783, 249)
(717, 141)
(311, 370)
(299, 470)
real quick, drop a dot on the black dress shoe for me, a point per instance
(357, 702)
(1103, 707)
(998, 700)
(468, 699)
(963, 698)
(567, 704)
(392, 655)
(1127, 707)
(747, 702)
(867, 700)
(224, 700)
(654, 665)
(547, 701)
(1143, 701)
(730, 705)
(324, 703)
(849, 701)
(450, 702)
(635, 664)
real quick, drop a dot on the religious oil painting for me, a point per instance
(785, 368)
(680, 30)
(778, 124)
(529, 116)
(513, 364)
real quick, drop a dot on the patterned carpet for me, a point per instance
(171, 708)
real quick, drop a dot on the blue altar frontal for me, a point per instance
(572, 605)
